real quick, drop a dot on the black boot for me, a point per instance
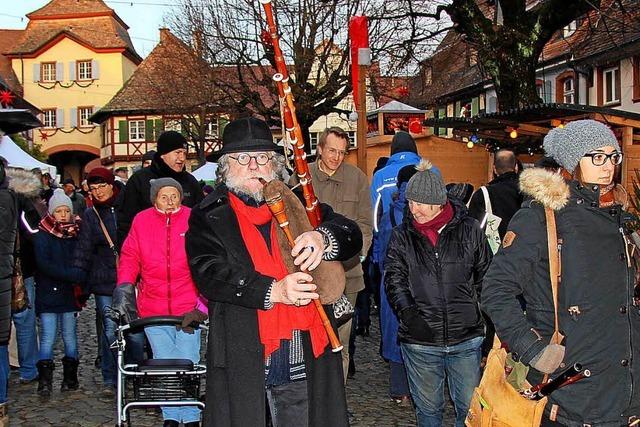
(170, 423)
(45, 376)
(69, 374)
(192, 424)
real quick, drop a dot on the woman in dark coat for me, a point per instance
(55, 299)
(598, 316)
(433, 274)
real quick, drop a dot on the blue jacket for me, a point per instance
(388, 320)
(383, 184)
(54, 276)
(92, 253)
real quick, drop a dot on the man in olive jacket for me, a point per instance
(253, 357)
(346, 189)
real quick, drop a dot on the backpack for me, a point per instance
(490, 223)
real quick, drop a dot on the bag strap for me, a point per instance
(487, 201)
(554, 268)
(105, 232)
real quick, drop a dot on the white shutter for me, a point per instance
(73, 117)
(36, 72)
(72, 70)
(60, 118)
(59, 71)
(95, 70)
(547, 92)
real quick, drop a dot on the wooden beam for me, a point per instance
(619, 121)
(627, 141)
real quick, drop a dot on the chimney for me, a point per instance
(196, 41)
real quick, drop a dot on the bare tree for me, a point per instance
(231, 36)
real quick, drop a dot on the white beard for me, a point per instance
(237, 186)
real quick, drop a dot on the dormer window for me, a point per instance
(568, 30)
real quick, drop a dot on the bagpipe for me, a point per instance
(292, 217)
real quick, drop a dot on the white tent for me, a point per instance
(206, 172)
(18, 158)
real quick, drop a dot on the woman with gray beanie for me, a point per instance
(434, 267)
(55, 298)
(599, 319)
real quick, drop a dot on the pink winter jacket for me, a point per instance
(155, 251)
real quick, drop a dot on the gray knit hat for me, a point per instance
(59, 199)
(426, 186)
(569, 144)
(157, 184)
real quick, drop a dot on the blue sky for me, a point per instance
(144, 18)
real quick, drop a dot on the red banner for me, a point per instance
(359, 36)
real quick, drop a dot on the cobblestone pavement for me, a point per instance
(367, 392)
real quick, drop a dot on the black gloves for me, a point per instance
(191, 320)
(417, 326)
(123, 306)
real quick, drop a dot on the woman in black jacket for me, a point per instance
(597, 313)
(433, 273)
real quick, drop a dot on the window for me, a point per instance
(48, 72)
(568, 97)
(213, 128)
(313, 139)
(136, 130)
(49, 118)
(569, 29)
(611, 81)
(173, 124)
(83, 116)
(84, 70)
(352, 138)
(636, 78)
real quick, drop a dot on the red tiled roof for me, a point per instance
(170, 80)
(174, 80)
(89, 22)
(8, 38)
(60, 8)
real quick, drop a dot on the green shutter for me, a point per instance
(159, 127)
(222, 123)
(456, 109)
(475, 106)
(148, 130)
(123, 128)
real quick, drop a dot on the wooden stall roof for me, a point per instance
(532, 121)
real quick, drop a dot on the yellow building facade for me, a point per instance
(73, 57)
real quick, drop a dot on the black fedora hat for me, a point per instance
(245, 135)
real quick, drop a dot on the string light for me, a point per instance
(470, 145)
(513, 134)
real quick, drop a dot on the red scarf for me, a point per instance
(281, 320)
(63, 230)
(430, 229)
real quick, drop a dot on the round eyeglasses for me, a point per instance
(599, 159)
(244, 159)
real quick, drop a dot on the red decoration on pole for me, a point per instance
(359, 36)
(43, 136)
(265, 36)
(403, 91)
(6, 98)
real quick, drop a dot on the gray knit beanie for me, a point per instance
(157, 184)
(59, 199)
(569, 144)
(426, 186)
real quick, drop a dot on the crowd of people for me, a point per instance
(447, 266)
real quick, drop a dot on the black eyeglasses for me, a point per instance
(599, 159)
(97, 187)
(244, 159)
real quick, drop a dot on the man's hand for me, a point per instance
(191, 319)
(295, 289)
(308, 250)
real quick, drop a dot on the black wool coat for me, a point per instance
(8, 230)
(596, 309)
(136, 196)
(224, 273)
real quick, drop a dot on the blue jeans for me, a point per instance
(169, 343)
(398, 385)
(427, 366)
(107, 337)
(26, 335)
(4, 372)
(49, 333)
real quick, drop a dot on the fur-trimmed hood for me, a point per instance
(24, 182)
(553, 191)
